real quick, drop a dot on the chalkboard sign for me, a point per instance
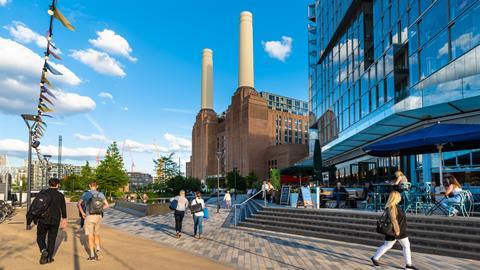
(285, 195)
(304, 197)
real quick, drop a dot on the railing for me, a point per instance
(241, 205)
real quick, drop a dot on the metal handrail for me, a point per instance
(244, 202)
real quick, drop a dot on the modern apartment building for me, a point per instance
(378, 68)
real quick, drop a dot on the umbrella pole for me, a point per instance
(440, 167)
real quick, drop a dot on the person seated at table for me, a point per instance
(339, 194)
(452, 195)
(367, 191)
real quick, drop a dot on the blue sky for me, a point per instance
(132, 72)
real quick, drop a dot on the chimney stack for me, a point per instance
(207, 79)
(245, 57)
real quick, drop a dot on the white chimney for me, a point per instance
(245, 57)
(207, 79)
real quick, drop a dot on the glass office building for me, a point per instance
(383, 67)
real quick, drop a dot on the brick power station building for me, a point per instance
(258, 131)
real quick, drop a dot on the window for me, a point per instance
(434, 55)
(365, 105)
(433, 20)
(466, 32)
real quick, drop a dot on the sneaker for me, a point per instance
(375, 262)
(99, 255)
(51, 260)
(91, 259)
(44, 257)
(411, 267)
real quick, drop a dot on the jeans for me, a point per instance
(407, 254)
(42, 231)
(338, 198)
(178, 220)
(197, 225)
(446, 203)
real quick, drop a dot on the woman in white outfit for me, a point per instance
(198, 217)
(399, 224)
(452, 195)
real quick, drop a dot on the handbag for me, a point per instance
(196, 208)
(205, 213)
(173, 205)
(384, 225)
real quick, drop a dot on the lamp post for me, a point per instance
(219, 156)
(235, 182)
(28, 118)
(47, 169)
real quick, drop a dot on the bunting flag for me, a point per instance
(43, 97)
(45, 80)
(54, 54)
(59, 16)
(48, 92)
(52, 69)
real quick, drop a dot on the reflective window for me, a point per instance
(434, 55)
(466, 32)
(413, 62)
(458, 6)
(365, 107)
(433, 20)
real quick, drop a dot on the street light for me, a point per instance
(47, 169)
(235, 182)
(30, 118)
(219, 156)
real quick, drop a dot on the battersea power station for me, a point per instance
(257, 132)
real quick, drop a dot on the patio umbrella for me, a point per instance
(317, 160)
(435, 138)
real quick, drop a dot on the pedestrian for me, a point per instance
(145, 198)
(265, 190)
(55, 218)
(95, 202)
(399, 225)
(182, 205)
(198, 214)
(271, 190)
(82, 220)
(228, 199)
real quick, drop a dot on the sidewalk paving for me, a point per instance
(18, 250)
(256, 249)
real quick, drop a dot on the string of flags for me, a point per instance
(46, 96)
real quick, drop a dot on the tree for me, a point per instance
(212, 182)
(177, 183)
(233, 177)
(252, 180)
(87, 175)
(275, 178)
(72, 182)
(110, 173)
(166, 168)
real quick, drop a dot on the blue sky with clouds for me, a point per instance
(132, 71)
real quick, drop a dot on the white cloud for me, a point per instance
(113, 43)
(20, 70)
(4, 2)
(177, 143)
(125, 108)
(101, 62)
(21, 33)
(19, 149)
(106, 95)
(138, 147)
(279, 49)
(91, 137)
(95, 124)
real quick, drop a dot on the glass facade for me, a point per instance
(369, 57)
(285, 104)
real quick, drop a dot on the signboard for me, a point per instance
(285, 195)
(304, 197)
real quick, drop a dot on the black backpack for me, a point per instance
(95, 204)
(384, 225)
(39, 208)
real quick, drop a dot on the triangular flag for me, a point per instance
(44, 108)
(45, 80)
(53, 53)
(52, 69)
(45, 90)
(42, 96)
(59, 16)
(46, 115)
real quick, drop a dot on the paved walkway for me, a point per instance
(18, 251)
(255, 249)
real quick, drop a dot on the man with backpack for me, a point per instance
(95, 202)
(49, 212)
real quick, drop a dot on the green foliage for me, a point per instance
(252, 180)
(72, 182)
(212, 182)
(166, 168)
(233, 177)
(111, 174)
(177, 183)
(275, 178)
(87, 174)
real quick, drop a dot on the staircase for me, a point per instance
(451, 236)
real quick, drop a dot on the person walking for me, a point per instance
(198, 216)
(182, 205)
(399, 225)
(55, 218)
(227, 199)
(95, 202)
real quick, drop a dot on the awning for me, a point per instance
(451, 137)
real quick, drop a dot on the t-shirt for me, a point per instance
(86, 199)
(182, 203)
(195, 201)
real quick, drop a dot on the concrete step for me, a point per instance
(361, 228)
(374, 240)
(368, 221)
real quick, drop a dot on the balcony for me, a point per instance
(311, 12)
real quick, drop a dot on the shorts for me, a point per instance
(92, 224)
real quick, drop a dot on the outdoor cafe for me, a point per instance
(419, 197)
